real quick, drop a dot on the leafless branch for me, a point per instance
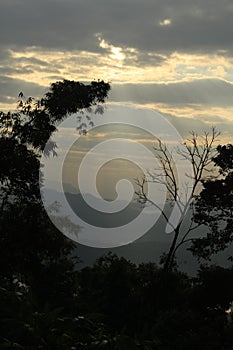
(199, 151)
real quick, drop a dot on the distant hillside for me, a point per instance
(148, 248)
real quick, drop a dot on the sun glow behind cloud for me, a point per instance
(121, 65)
(116, 53)
(115, 64)
(165, 22)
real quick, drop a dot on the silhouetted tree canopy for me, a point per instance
(31, 247)
(214, 207)
(47, 303)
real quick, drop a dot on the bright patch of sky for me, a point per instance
(165, 22)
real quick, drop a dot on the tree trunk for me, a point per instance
(170, 256)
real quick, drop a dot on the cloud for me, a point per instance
(115, 52)
(10, 89)
(175, 55)
(190, 26)
(114, 64)
(166, 22)
(212, 92)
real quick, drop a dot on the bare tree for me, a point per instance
(199, 152)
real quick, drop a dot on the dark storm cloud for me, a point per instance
(71, 24)
(208, 92)
(13, 70)
(187, 125)
(13, 65)
(10, 89)
(211, 92)
(142, 58)
(200, 125)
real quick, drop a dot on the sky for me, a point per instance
(174, 57)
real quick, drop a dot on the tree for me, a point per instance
(29, 242)
(214, 206)
(146, 307)
(198, 151)
(25, 133)
(37, 275)
(46, 304)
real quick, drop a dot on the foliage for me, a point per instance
(214, 207)
(118, 306)
(46, 303)
(32, 251)
(72, 96)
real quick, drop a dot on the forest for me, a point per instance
(47, 302)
